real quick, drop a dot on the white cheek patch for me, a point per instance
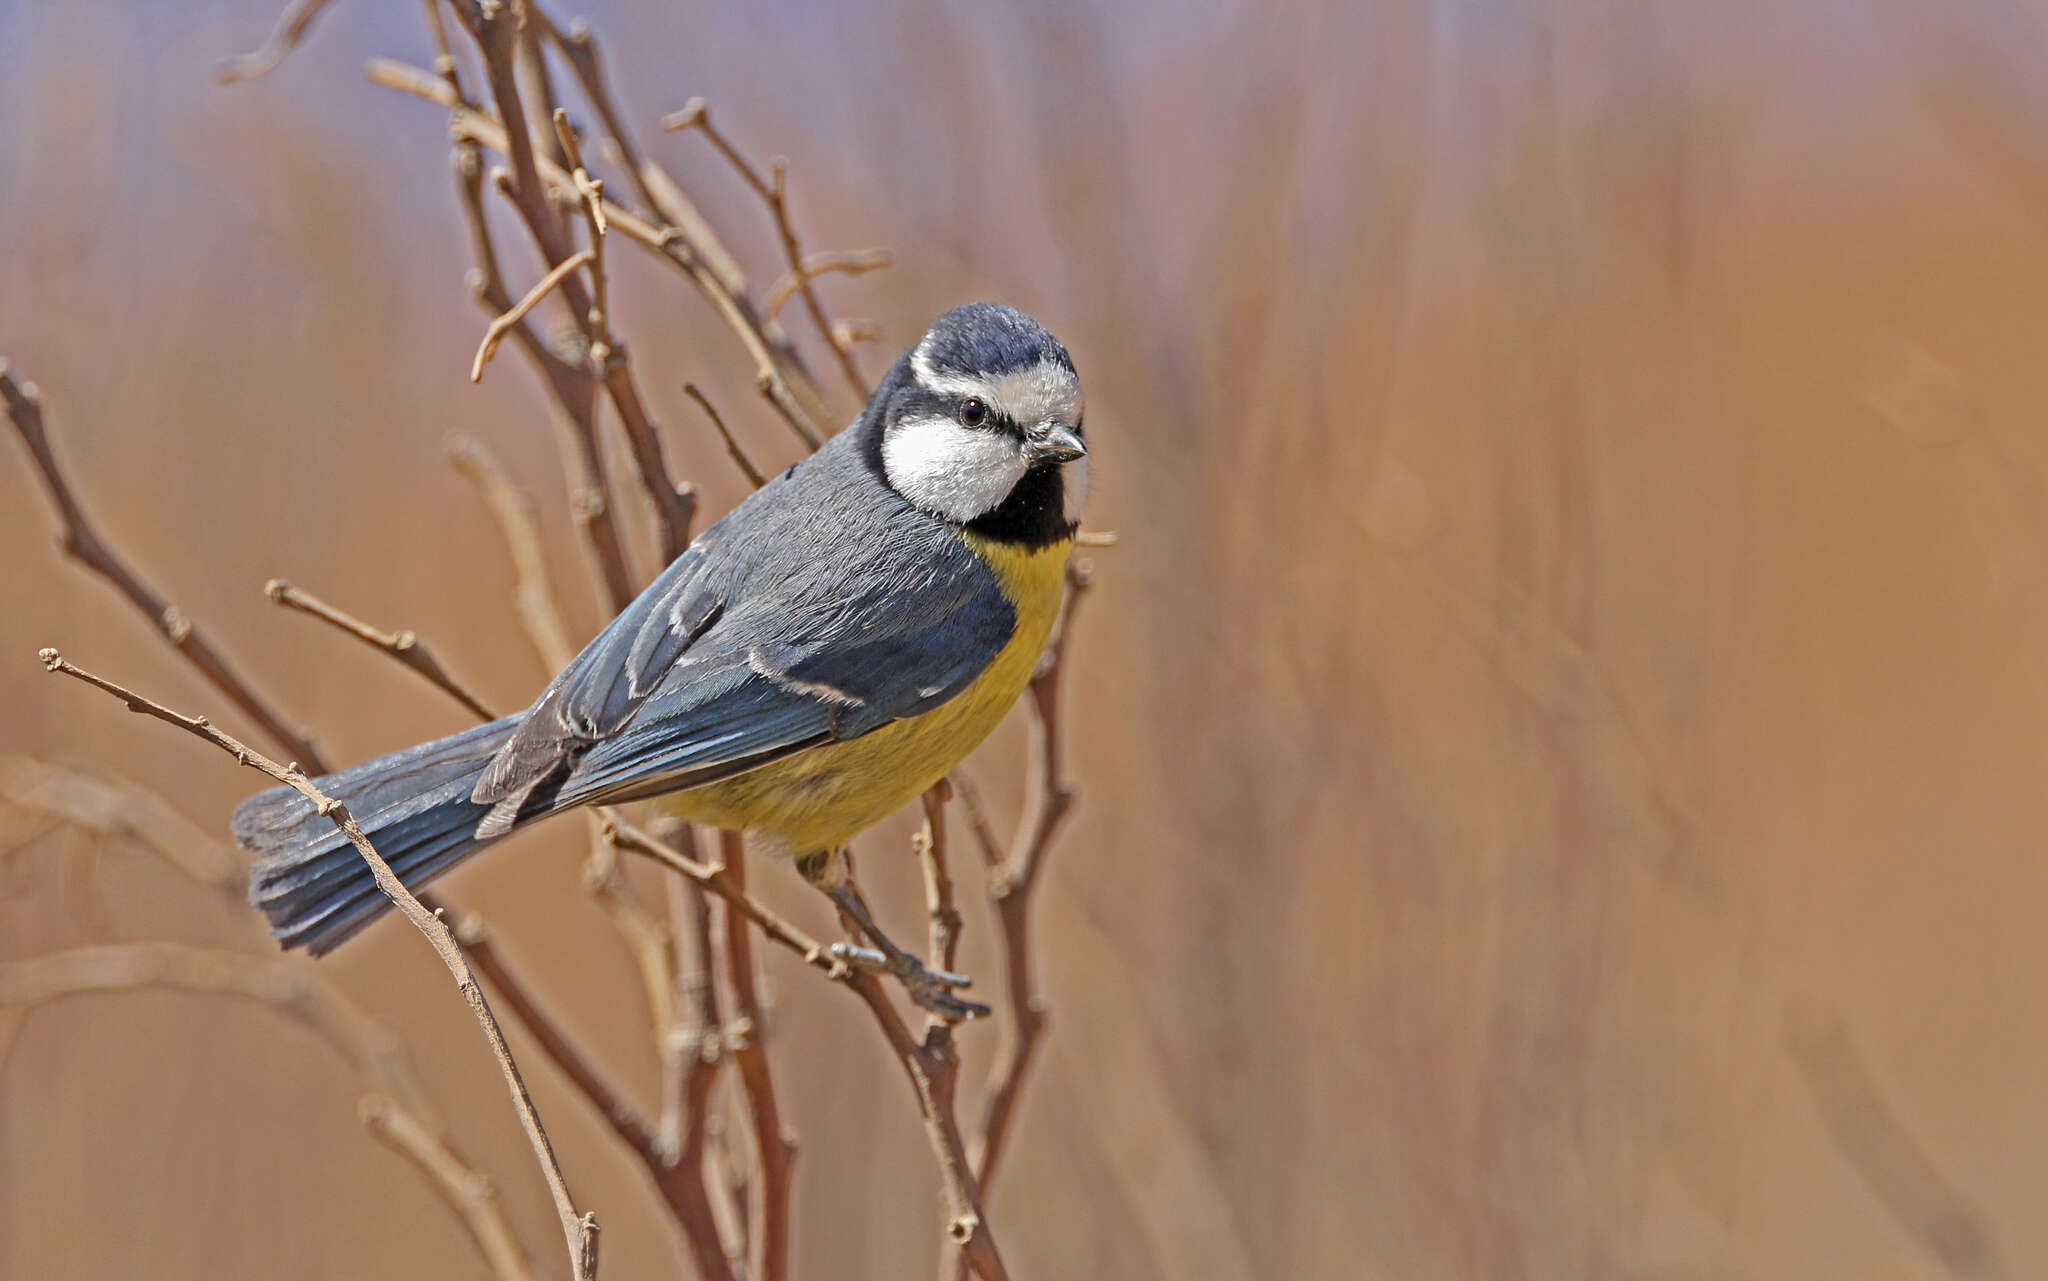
(955, 472)
(1074, 487)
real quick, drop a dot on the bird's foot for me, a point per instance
(930, 989)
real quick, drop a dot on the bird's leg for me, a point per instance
(931, 989)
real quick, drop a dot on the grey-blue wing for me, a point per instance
(787, 697)
(814, 611)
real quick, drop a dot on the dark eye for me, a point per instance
(973, 412)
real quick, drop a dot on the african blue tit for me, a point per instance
(819, 657)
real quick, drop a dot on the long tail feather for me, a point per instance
(413, 805)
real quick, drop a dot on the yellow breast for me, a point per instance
(822, 798)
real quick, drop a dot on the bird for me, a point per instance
(821, 655)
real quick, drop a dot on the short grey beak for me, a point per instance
(1056, 444)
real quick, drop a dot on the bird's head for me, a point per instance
(980, 425)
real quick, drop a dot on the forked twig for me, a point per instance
(851, 263)
(579, 1230)
(675, 506)
(777, 372)
(495, 333)
(406, 647)
(774, 191)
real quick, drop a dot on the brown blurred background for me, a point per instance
(1561, 736)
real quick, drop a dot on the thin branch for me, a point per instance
(732, 447)
(991, 845)
(294, 990)
(406, 647)
(499, 37)
(470, 1194)
(934, 1072)
(533, 597)
(692, 1060)
(930, 843)
(113, 808)
(396, 1112)
(696, 995)
(774, 1150)
(693, 233)
(81, 541)
(563, 1049)
(495, 334)
(719, 881)
(291, 28)
(775, 192)
(778, 373)
(570, 386)
(849, 332)
(579, 1230)
(646, 936)
(690, 239)
(854, 262)
(675, 506)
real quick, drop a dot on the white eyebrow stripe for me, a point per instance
(945, 384)
(1047, 391)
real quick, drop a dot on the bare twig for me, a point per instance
(775, 192)
(852, 263)
(556, 1042)
(547, 284)
(692, 1060)
(119, 809)
(534, 596)
(674, 505)
(646, 936)
(1871, 1136)
(934, 1073)
(991, 845)
(403, 1119)
(291, 28)
(692, 234)
(579, 1230)
(719, 881)
(777, 372)
(406, 647)
(774, 1151)
(81, 541)
(930, 843)
(849, 332)
(732, 447)
(466, 1191)
(290, 989)
(570, 386)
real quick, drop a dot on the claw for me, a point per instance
(930, 989)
